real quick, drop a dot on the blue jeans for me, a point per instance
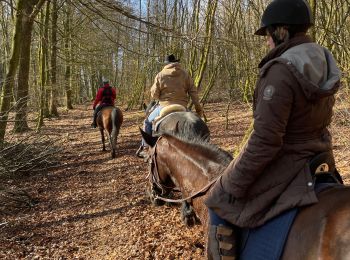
(215, 220)
(149, 120)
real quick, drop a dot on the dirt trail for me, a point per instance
(94, 207)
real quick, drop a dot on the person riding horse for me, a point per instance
(293, 103)
(105, 96)
(171, 86)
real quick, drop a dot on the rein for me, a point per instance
(199, 193)
(155, 180)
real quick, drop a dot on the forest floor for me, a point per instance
(93, 207)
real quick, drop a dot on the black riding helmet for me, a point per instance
(285, 12)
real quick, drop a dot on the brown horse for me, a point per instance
(320, 231)
(110, 119)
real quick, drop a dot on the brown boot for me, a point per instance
(222, 243)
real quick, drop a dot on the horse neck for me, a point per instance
(190, 169)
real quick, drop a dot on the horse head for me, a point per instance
(191, 166)
(161, 183)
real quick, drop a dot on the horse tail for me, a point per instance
(115, 131)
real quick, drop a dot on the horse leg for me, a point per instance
(113, 151)
(188, 215)
(103, 140)
(113, 134)
(152, 193)
(114, 140)
(111, 145)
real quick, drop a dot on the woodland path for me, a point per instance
(94, 207)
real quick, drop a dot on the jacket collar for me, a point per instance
(299, 38)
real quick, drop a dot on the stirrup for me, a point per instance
(140, 151)
(222, 243)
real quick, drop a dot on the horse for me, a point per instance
(110, 118)
(179, 122)
(319, 231)
(184, 122)
(205, 159)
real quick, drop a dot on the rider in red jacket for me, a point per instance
(105, 97)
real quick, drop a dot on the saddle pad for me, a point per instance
(168, 110)
(267, 242)
(157, 123)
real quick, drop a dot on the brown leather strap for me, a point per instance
(155, 180)
(193, 196)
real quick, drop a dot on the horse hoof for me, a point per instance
(168, 204)
(189, 221)
(157, 202)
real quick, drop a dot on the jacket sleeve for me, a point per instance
(273, 106)
(155, 89)
(98, 97)
(192, 91)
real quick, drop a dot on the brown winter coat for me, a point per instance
(173, 85)
(293, 103)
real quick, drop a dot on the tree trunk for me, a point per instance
(21, 124)
(211, 10)
(193, 50)
(313, 5)
(8, 86)
(44, 55)
(53, 69)
(68, 55)
(29, 14)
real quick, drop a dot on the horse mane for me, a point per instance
(196, 143)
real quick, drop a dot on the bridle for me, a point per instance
(155, 182)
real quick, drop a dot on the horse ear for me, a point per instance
(149, 139)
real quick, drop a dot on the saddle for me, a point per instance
(102, 107)
(167, 110)
(267, 241)
(323, 170)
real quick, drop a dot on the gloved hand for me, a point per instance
(199, 110)
(200, 113)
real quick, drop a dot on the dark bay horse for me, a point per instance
(184, 123)
(110, 119)
(181, 123)
(320, 231)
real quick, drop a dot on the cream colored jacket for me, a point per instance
(173, 85)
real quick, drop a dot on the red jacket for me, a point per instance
(99, 97)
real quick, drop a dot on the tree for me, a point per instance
(8, 85)
(30, 10)
(53, 62)
(43, 109)
(68, 56)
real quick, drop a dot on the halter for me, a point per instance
(153, 173)
(154, 180)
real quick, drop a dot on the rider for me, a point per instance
(293, 102)
(105, 97)
(171, 86)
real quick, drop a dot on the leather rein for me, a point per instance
(154, 180)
